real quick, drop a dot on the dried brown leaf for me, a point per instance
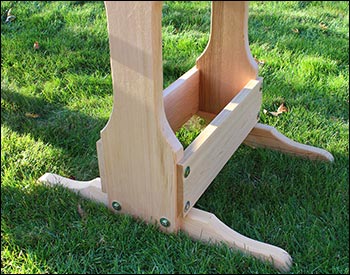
(295, 30)
(32, 115)
(81, 212)
(259, 62)
(323, 26)
(10, 18)
(36, 45)
(274, 113)
(282, 109)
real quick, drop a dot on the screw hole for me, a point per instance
(187, 171)
(165, 222)
(187, 206)
(116, 206)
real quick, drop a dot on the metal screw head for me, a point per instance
(116, 206)
(187, 206)
(165, 222)
(187, 171)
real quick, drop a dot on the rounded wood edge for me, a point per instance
(87, 189)
(266, 136)
(205, 226)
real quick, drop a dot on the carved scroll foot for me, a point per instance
(268, 137)
(206, 226)
(87, 189)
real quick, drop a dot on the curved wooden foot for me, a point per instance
(206, 226)
(87, 189)
(268, 137)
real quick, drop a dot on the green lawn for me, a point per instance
(55, 100)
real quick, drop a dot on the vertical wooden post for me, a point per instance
(144, 170)
(226, 65)
(139, 149)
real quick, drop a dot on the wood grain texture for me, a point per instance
(140, 150)
(142, 164)
(101, 165)
(87, 189)
(207, 227)
(210, 151)
(266, 136)
(226, 65)
(181, 99)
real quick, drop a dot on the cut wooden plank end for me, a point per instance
(266, 136)
(205, 226)
(87, 189)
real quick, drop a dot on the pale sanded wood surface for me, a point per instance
(266, 136)
(226, 65)
(181, 99)
(206, 226)
(142, 164)
(101, 165)
(210, 151)
(87, 189)
(140, 150)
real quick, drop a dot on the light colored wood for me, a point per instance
(140, 150)
(181, 99)
(101, 165)
(141, 161)
(207, 227)
(210, 151)
(266, 136)
(226, 65)
(88, 189)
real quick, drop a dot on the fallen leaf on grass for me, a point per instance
(10, 17)
(36, 45)
(81, 212)
(295, 30)
(323, 26)
(281, 109)
(259, 62)
(32, 115)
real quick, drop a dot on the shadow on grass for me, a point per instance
(311, 39)
(51, 123)
(45, 224)
(286, 201)
(328, 50)
(243, 195)
(49, 230)
(72, 131)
